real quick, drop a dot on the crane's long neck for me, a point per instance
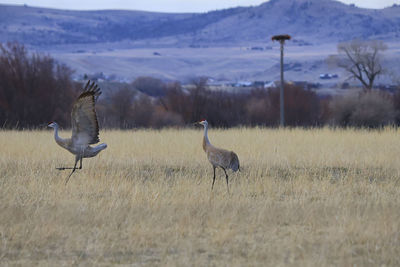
(59, 140)
(206, 142)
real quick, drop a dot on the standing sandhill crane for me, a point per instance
(85, 128)
(219, 157)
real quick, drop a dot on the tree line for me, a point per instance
(35, 89)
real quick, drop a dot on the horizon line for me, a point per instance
(170, 12)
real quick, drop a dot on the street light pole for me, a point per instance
(282, 104)
(281, 39)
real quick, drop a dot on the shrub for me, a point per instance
(33, 89)
(367, 109)
(121, 108)
(149, 85)
(341, 109)
(162, 118)
(258, 109)
(301, 106)
(374, 109)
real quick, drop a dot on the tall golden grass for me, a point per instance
(304, 198)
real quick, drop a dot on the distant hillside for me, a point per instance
(314, 20)
(41, 26)
(311, 20)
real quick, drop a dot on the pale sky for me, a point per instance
(169, 5)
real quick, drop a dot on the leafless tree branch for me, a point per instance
(362, 60)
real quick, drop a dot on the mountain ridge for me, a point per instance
(311, 20)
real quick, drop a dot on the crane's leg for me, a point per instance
(64, 168)
(226, 177)
(73, 170)
(212, 186)
(70, 168)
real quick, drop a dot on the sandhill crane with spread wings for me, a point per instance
(85, 128)
(219, 157)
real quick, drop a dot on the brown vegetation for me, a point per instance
(34, 89)
(181, 106)
(367, 109)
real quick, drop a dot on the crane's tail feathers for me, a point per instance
(99, 148)
(234, 164)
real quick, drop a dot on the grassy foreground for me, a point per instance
(304, 198)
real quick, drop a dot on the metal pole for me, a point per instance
(281, 38)
(281, 92)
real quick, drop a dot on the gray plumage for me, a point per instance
(85, 128)
(219, 157)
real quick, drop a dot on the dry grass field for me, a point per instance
(317, 197)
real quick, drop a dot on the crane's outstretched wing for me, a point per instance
(85, 127)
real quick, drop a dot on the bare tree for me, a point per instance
(361, 59)
(198, 98)
(34, 88)
(149, 85)
(121, 105)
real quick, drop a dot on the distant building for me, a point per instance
(328, 76)
(243, 84)
(259, 84)
(268, 84)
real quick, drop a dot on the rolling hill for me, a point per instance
(313, 20)
(231, 44)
